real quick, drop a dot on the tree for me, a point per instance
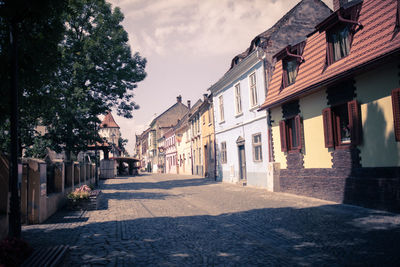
(97, 71)
(39, 31)
(121, 144)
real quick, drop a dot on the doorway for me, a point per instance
(242, 162)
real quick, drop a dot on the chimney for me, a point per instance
(188, 104)
(179, 98)
(205, 97)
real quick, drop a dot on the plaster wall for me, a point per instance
(256, 172)
(244, 125)
(279, 156)
(379, 147)
(228, 93)
(315, 153)
(184, 154)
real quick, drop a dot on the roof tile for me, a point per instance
(374, 41)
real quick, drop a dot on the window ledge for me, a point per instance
(254, 107)
(238, 115)
(221, 122)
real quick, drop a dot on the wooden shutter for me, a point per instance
(297, 123)
(328, 127)
(354, 122)
(282, 129)
(396, 112)
(329, 50)
(284, 75)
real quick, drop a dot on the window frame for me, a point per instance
(330, 46)
(255, 146)
(224, 154)
(221, 109)
(332, 131)
(286, 134)
(396, 112)
(253, 90)
(238, 99)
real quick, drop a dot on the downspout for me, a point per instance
(269, 128)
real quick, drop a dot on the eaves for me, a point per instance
(244, 66)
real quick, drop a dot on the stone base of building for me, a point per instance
(377, 188)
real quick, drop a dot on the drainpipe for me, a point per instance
(269, 125)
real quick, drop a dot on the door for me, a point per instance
(242, 163)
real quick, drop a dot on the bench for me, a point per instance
(51, 256)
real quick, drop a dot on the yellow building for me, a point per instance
(334, 108)
(207, 137)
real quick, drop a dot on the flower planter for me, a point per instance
(90, 203)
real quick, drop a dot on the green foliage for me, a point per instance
(75, 64)
(38, 149)
(97, 72)
(40, 31)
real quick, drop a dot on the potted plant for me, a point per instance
(83, 198)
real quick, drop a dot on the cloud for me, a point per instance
(198, 27)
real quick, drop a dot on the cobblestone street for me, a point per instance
(166, 220)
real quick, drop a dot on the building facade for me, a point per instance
(160, 125)
(240, 131)
(335, 115)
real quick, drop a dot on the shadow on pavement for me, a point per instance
(168, 184)
(324, 235)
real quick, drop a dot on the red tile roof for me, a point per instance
(108, 121)
(374, 42)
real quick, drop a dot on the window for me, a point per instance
(339, 41)
(209, 115)
(257, 151)
(204, 119)
(289, 71)
(290, 131)
(253, 90)
(223, 152)
(342, 125)
(221, 109)
(238, 100)
(198, 123)
(396, 112)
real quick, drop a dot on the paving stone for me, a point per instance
(173, 220)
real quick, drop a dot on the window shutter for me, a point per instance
(297, 122)
(282, 129)
(284, 76)
(329, 49)
(355, 122)
(328, 129)
(396, 112)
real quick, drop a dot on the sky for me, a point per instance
(189, 45)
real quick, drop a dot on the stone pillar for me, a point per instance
(83, 173)
(37, 191)
(69, 175)
(77, 174)
(59, 176)
(273, 174)
(87, 171)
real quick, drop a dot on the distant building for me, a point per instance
(183, 141)
(160, 125)
(110, 131)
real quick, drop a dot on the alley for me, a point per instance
(166, 220)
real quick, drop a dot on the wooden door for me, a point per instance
(242, 162)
